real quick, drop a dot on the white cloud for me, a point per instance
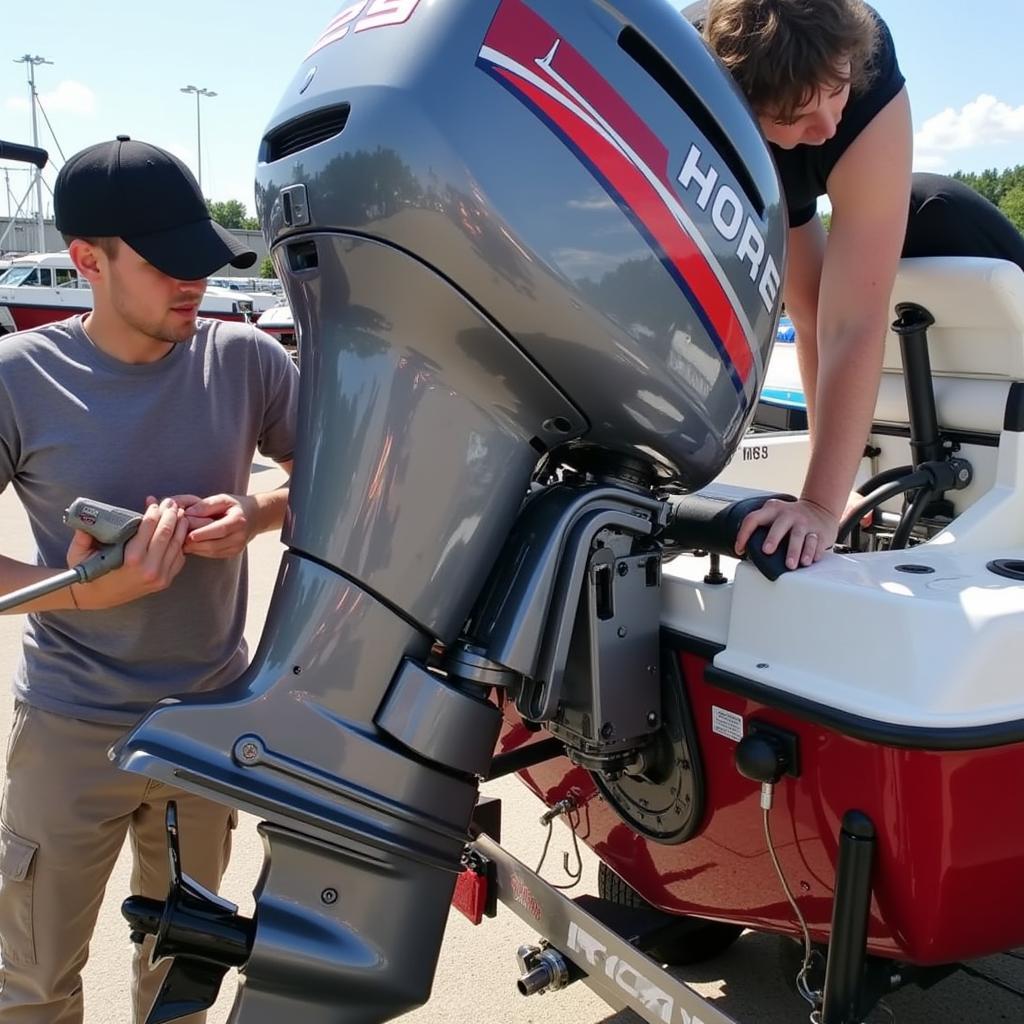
(68, 97)
(984, 121)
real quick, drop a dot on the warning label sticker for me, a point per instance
(726, 723)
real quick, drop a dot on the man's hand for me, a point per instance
(811, 529)
(219, 526)
(152, 558)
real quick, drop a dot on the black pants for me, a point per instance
(948, 218)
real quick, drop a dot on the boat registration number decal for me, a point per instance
(359, 17)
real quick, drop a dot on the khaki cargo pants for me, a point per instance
(66, 811)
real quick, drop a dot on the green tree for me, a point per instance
(1003, 188)
(986, 183)
(993, 184)
(267, 268)
(231, 213)
(1012, 204)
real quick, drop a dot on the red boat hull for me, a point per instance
(950, 853)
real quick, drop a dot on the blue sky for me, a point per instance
(119, 65)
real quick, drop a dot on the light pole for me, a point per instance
(31, 63)
(199, 134)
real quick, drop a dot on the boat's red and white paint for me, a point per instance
(45, 287)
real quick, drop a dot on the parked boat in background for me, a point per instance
(278, 322)
(263, 298)
(44, 287)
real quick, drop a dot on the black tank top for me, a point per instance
(805, 169)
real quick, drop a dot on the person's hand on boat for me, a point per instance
(809, 530)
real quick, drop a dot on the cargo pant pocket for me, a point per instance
(17, 881)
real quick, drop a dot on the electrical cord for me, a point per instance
(811, 996)
(565, 806)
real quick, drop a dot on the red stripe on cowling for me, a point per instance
(520, 33)
(649, 208)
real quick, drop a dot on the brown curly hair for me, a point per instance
(781, 52)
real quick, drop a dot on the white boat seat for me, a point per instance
(976, 345)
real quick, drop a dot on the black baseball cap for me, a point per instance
(148, 198)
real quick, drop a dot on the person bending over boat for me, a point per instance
(824, 82)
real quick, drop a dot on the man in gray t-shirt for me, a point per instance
(142, 405)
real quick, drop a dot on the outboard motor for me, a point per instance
(533, 251)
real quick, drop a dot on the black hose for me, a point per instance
(871, 484)
(910, 518)
(880, 495)
(886, 476)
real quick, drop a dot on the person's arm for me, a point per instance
(221, 525)
(14, 575)
(802, 286)
(269, 506)
(870, 193)
(152, 558)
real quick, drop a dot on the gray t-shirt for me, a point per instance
(77, 422)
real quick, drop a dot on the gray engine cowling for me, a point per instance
(583, 172)
(576, 224)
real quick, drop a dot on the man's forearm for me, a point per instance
(846, 394)
(269, 508)
(14, 575)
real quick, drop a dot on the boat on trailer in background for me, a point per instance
(278, 322)
(41, 288)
